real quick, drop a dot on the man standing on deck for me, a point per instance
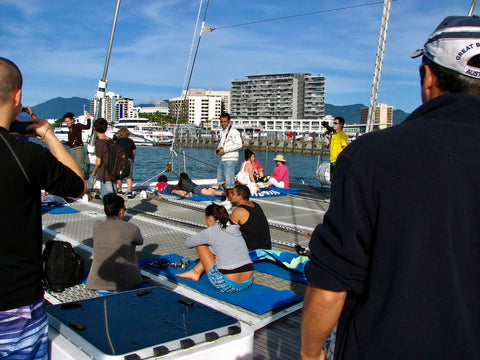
(337, 143)
(395, 261)
(107, 186)
(230, 143)
(251, 218)
(27, 168)
(75, 141)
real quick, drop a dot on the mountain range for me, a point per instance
(55, 108)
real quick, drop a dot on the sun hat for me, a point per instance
(453, 43)
(280, 157)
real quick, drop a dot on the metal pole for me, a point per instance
(472, 8)
(102, 83)
(100, 96)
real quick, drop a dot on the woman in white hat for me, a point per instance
(280, 177)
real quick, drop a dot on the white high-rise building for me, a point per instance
(114, 107)
(197, 106)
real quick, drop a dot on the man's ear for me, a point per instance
(17, 97)
(430, 87)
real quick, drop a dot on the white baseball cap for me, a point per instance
(453, 43)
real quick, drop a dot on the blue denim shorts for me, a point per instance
(224, 284)
(226, 173)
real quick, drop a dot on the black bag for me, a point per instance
(118, 164)
(62, 267)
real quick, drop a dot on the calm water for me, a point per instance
(201, 164)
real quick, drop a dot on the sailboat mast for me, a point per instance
(472, 8)
(102, 83)
(378, 65)
(100, 96)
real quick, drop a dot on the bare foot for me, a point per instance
(190, 274)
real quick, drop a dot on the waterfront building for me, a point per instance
(196, 106)
(383, 116)
(278, 96)
(114, 107)
(225, 95)
(161, 108)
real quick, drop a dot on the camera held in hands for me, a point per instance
(218, 150)
(328, 127)
(20, 127)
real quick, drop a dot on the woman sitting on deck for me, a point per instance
(186, 184)
(279, 177)
(246, 176)
(223, 253)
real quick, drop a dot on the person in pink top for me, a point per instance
(280, 177)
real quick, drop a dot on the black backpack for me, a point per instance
(118, 164)
(62, 267)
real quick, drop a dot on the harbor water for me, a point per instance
(201, 163)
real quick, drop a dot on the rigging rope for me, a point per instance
(186, 84)
(298, 15)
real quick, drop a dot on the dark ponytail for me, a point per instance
(219, 213)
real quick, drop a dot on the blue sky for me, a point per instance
(61, 45)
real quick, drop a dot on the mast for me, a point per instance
(472, 8)
(102, 85)
(378, 65)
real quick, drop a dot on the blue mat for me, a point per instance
(257, 298)
(58, 209)
(273, 269)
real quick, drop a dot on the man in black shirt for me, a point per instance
(251, 218)
(131, 150)
(27, 168)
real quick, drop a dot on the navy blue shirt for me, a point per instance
(402, 237)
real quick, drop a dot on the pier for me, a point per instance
(274, 142)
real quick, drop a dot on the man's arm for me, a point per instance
(43, 129)
(239, 216)
(321, 311)
(98, 162)
(87, 125)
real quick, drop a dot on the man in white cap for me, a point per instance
(396, 260)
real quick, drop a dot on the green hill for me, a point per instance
(55, 108)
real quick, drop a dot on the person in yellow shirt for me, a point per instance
(337, 143)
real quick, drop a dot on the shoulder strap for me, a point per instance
(16, 159)
(226, 135)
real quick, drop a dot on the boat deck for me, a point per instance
(166, 222)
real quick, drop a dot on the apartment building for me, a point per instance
(278, 96)
(198, 105)
(114, 107)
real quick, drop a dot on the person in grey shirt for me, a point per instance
(115, 264)
(223, 253)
